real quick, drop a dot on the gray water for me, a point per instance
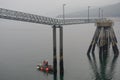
(24, 45)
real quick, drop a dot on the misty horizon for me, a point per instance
(53, 8)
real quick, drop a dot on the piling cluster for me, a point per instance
(104, 36)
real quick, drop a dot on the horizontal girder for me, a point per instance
(26, 17)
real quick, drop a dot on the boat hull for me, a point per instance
(48, 69)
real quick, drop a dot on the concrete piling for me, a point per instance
(61, 51)
(54, 50)
(61, 64)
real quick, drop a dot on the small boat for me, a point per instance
(45, 68)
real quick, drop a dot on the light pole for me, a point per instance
(99, 12)
(88, 12)
(64, 12)
(102, 13)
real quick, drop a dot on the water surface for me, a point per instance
(24, 45)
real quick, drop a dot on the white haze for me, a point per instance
(52, 8)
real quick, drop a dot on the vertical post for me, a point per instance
(108, 39)
(88, 12)
(54, 52)
(99, 13)
(102, 13)
(61, 52)
(64, 13)
(93, 43)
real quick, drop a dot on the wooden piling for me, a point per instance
(91, 44)
(108, 37)
(104, 36)
(114, 42)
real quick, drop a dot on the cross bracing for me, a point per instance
(27, 17)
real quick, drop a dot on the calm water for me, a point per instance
(24, 45)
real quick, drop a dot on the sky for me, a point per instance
(52, 8)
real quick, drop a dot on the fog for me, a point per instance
(52, 8)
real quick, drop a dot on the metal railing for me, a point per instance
(26, 17)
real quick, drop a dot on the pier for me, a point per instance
(104, 35)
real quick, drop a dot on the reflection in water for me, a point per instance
(102, 73)
(55, 76)
(55, 69)
(61, 76)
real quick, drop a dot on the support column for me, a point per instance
(108, 37)
(104, 36)
(54, 52)
(91, 44)
(61, 52)
(94, 41)
(61, 64)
